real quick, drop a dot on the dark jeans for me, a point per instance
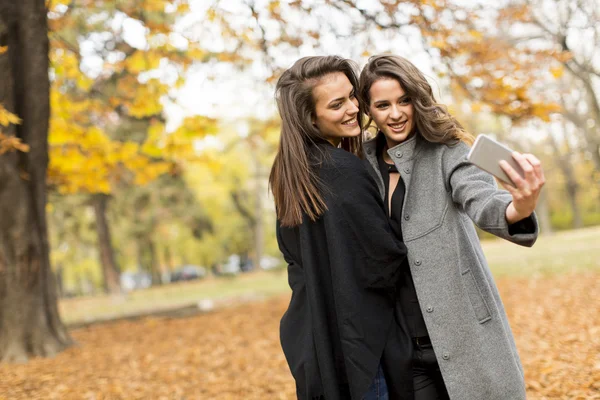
(427, 378)
(378, 389)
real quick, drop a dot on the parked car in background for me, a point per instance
(133, 280)
(270, 262)
(231, 267)
(188, 273)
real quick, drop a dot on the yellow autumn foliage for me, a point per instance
(7, 118)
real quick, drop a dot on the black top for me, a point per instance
(343, 270)
(407, 301)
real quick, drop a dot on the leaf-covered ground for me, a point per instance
(234, 353)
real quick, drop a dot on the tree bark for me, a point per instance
(30, 324)
(258, 216)
(148, 260)
(571, 185)
(543, 212)
(110, 272)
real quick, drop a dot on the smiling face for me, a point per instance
(336, 108)
(391, 110)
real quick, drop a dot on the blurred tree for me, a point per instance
(74, 248)
(572, 31)
(146, 213)
(249, 202)
(29, 321)
(108, 99)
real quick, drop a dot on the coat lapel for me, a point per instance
(403, 156)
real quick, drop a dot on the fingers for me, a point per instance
(525, 165)
(509, 187)
(512, 174)
(537, 167)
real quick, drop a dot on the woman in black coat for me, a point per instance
(344, 262)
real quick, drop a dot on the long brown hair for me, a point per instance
(433, 121)
(296, 187)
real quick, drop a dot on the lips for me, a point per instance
(398, 127)
(350, 122)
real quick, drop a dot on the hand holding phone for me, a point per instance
(525, 169)
(487, 153)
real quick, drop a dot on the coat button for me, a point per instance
(446, 356)
(417, 262)
(399, 154)
(407, 217)
(429, 309)
(369, 151)
(407, 170)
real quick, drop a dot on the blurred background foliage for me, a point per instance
(163, 125)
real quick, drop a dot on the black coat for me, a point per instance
(343, 269)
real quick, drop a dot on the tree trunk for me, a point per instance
(543, 213)
(571, 185)
(110, 271)
(30, 324)
(154, 266)
(168, 258)
(258, 216)
(147, 259)
(592, 134)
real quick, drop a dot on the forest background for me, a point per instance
(136, 136)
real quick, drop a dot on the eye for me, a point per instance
(405, 100)
(336, 106)
(381, 106)
(352, 95)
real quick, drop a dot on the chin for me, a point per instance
(350, 134)
(397, 137)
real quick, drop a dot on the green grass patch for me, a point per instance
(87, 309)
(564, 252)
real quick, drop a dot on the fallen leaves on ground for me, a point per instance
(235, 353)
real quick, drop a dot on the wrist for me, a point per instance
(512, 215)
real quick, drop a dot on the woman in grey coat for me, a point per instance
(463, 345)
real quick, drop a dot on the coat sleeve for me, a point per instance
(358, 224)
(477, 193)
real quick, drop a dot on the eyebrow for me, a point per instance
(385, 101)
(341, 98)
(334, 100)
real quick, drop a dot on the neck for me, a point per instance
(334, 141)
(386, 157)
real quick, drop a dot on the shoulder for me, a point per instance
(344, 175)
(453, 154)
(338, 162)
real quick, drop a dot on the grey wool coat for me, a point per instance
(465, 318)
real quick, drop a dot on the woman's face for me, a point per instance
(391, 110)
(336, 108)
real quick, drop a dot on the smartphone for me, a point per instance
(486, 154)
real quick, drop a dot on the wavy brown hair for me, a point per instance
(296, 187)
(432, 119)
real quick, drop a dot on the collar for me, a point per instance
(399, 153)
(405, 150)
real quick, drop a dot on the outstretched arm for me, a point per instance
(526, 191)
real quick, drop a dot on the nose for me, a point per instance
(395, 112)
(353, 109)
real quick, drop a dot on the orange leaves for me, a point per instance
(7, 142)
(7, 118)
(11, 143)
(234, 353)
